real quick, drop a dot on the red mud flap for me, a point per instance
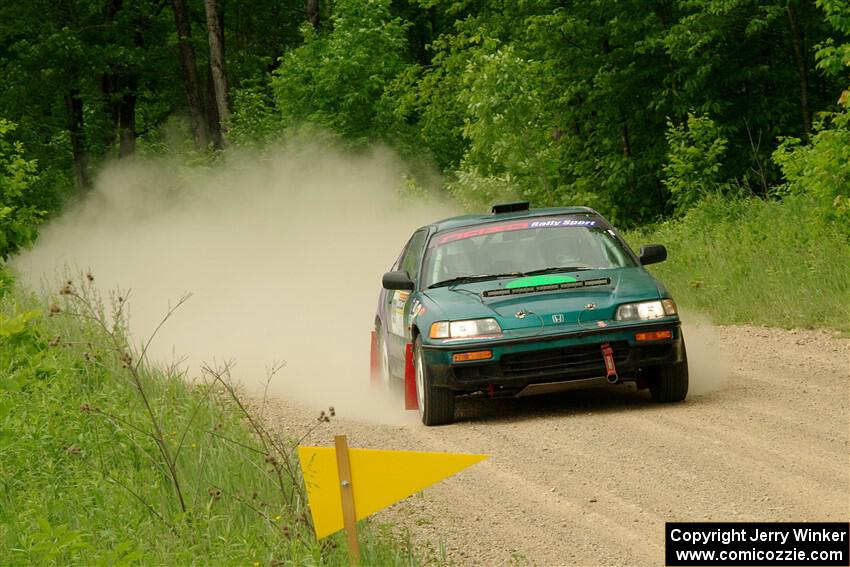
(610, 367)
(410, 399)
(374, 364)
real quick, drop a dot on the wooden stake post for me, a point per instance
(347, 492)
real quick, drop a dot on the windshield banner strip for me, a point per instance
(507, 227)
(548, 287)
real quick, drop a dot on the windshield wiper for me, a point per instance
(555, 269)
(475, 278)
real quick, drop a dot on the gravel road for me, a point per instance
(590, 477)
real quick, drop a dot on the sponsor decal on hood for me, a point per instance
(555, 286)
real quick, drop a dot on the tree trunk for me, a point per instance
(624, 137)
(74, 105)
(190, 73)
(313, 13)
(802, 73)
(127, 120)
(215, 29)
(213, 119)
(107, 93)
(108, 81)
(624, 125)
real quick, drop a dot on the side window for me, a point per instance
(413, 254)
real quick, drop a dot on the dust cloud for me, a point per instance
(283, 255)
(709, 366)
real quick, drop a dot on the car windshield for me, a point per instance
(543, 245)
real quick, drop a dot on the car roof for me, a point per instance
(472, 220)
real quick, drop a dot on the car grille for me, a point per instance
(573, 361)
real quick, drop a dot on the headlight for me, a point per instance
(646, 310)
(465, 329)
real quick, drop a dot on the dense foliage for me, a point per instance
(636, 108)
(19, 214)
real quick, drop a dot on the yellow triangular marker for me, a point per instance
(379, 478)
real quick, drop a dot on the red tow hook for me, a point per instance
(610, 367)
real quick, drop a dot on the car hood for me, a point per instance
(554, 311)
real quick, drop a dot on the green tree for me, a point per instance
(337, 79)
(822, 167)
(580, 92)
(750, 65)
(694, 161)
(555, 97)
(507, 123)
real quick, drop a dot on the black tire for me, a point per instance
(436, 405)
(670, 384)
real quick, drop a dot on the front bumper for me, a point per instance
(518, 363)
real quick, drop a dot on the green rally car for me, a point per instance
(524, 301)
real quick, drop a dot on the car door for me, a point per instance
(399, 301)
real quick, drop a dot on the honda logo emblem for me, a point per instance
(559, 318)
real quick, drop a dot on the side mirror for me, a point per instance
(652, 254)
(397, 280)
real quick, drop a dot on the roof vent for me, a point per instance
(510, 207)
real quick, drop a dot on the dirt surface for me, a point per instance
(590, 477)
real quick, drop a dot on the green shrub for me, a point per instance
(694, 156)
(19, 218)
(822, 169)
(256, 119)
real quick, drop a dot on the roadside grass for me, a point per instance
(751, 261)
(108, 460)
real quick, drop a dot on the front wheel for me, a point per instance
(436, 405)
(670, 384)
